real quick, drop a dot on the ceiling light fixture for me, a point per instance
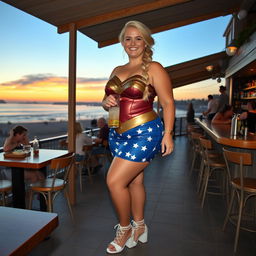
(209, 68)
(231, 49)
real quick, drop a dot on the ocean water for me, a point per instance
(30, 113)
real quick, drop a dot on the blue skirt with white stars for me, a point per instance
(139, 144)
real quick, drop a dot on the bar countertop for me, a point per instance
(221, 134)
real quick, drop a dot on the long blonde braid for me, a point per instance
(146, 59)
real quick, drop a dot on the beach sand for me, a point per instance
(41, 129)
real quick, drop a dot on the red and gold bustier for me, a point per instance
(133, 109)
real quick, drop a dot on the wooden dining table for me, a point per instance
(38, 162)
(22, 230)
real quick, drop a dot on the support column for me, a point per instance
(72, 106)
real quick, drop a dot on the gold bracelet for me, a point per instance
(169, 132)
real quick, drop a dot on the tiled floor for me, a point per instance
(177, 224)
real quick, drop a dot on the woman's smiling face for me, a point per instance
(133, 43)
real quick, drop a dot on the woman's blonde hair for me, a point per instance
(78, 128)
(148, 53)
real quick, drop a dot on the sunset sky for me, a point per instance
(34, 58)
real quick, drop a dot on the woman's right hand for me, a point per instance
(110, 101)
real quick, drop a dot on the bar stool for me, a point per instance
(196, 149)
(5, 187)
(243, 186)
(193, 128)
(212, 163)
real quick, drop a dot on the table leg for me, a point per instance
(43, 206)
(18, 188)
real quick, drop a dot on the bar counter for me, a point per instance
(221, 134)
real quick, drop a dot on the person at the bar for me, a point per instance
(223, 99)
(190, 113)
(212, 107)
(140, 136)
(224, 116)
(250, 116)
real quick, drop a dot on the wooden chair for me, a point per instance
(80, 164)
(211, 165)
(51, 186)
(5, 187)
(244, 187)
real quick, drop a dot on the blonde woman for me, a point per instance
(81, 140)
(141, 134)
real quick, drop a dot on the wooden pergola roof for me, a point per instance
(102, 20)
(195, 70)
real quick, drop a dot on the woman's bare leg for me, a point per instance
(120, 175)
(138, 197)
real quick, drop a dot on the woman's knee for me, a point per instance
(112, 182)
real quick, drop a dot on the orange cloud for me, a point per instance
(47, 87)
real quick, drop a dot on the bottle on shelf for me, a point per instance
(36, 146)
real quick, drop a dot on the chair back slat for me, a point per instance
(238, 157)
(62, 166)
(205, 143)
(196, 135)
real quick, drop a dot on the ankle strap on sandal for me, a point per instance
(137, 224)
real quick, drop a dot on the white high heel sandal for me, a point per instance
(143, 238)
(119, 234)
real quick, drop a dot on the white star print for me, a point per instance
(135, 145)
(120, 152)
(143, 148)
(117, 143)
(157, 126)
(144, 160)
(150, 129)
(125, 143)
(133, 157)
(129, 136)
(154, 149)
(116, 150)
(127, 154)
(149, 138)
(139, 131)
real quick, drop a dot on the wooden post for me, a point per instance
(72, 106)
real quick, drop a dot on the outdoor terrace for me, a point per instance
(177, 224)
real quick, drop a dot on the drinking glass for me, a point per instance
(113, 115)
(27, 148)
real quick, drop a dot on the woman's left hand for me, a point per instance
(167, 144)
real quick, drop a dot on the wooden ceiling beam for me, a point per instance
(121, 14)
(178, 24)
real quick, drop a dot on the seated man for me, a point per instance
(17, 138)
(103, 132)
(99, 149)
(212, 107)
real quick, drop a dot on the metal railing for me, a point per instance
(54, 142)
